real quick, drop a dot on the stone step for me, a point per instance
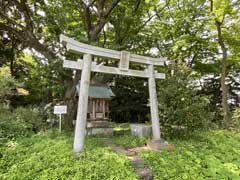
(144, 173)
(99, 124)
(100, 131)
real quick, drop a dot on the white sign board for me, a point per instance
(60, 110)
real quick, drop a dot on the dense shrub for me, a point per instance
(235, 124)
(49, 156)
(180, 105)
(34, 117)
(20, 122)
(205, 155)
(15, 122)
(10, 128)
(7, 85)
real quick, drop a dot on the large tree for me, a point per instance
(224, 13)
(95, 14)
(23, 19)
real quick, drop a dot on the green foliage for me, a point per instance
(10, 128)
(128, 141)
(180, 104)
(203, 155)
(235, 124)
(7, 85)
(219, 9)
(43, 81)
(184, 31)
(130, 101)
(34, 117)
(49, 156)
(20, 122)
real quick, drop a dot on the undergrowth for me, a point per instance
(49, 156)
(202, 155)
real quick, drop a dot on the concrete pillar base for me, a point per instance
(160, 144)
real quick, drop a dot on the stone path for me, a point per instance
(144, 172)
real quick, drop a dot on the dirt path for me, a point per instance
(144, 172)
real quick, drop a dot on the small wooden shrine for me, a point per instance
(98, 121)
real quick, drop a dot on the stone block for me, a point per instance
(99, 124)
(99, 131)
(141, 130)
(160, 145)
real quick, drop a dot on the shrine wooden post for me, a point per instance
(125, 58)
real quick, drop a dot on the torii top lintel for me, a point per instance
(79, 48)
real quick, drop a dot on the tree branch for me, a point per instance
(103, 19)
(160, 10)
(24, 9)
(14, 23)
(110, 8)
(86, 15)
(9, 29)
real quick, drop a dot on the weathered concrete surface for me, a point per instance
(159, 145)
(100, 131)
(141, 130)
(99, 124)
(153, 103)
(80, 127)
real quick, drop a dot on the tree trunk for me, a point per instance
(71, 101)
(93, 31)
(70, 96)
(224, 87)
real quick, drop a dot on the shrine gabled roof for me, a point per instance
(99, 92)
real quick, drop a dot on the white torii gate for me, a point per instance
(86, 65)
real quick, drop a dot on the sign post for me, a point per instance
(60, 122)
(59, 110)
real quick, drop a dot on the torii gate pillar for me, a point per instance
(153, 103)
(82, 105)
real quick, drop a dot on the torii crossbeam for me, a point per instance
(124, 58)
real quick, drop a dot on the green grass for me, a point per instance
(122, 137)
(49, 156)
(202, 155)
(129, 141)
